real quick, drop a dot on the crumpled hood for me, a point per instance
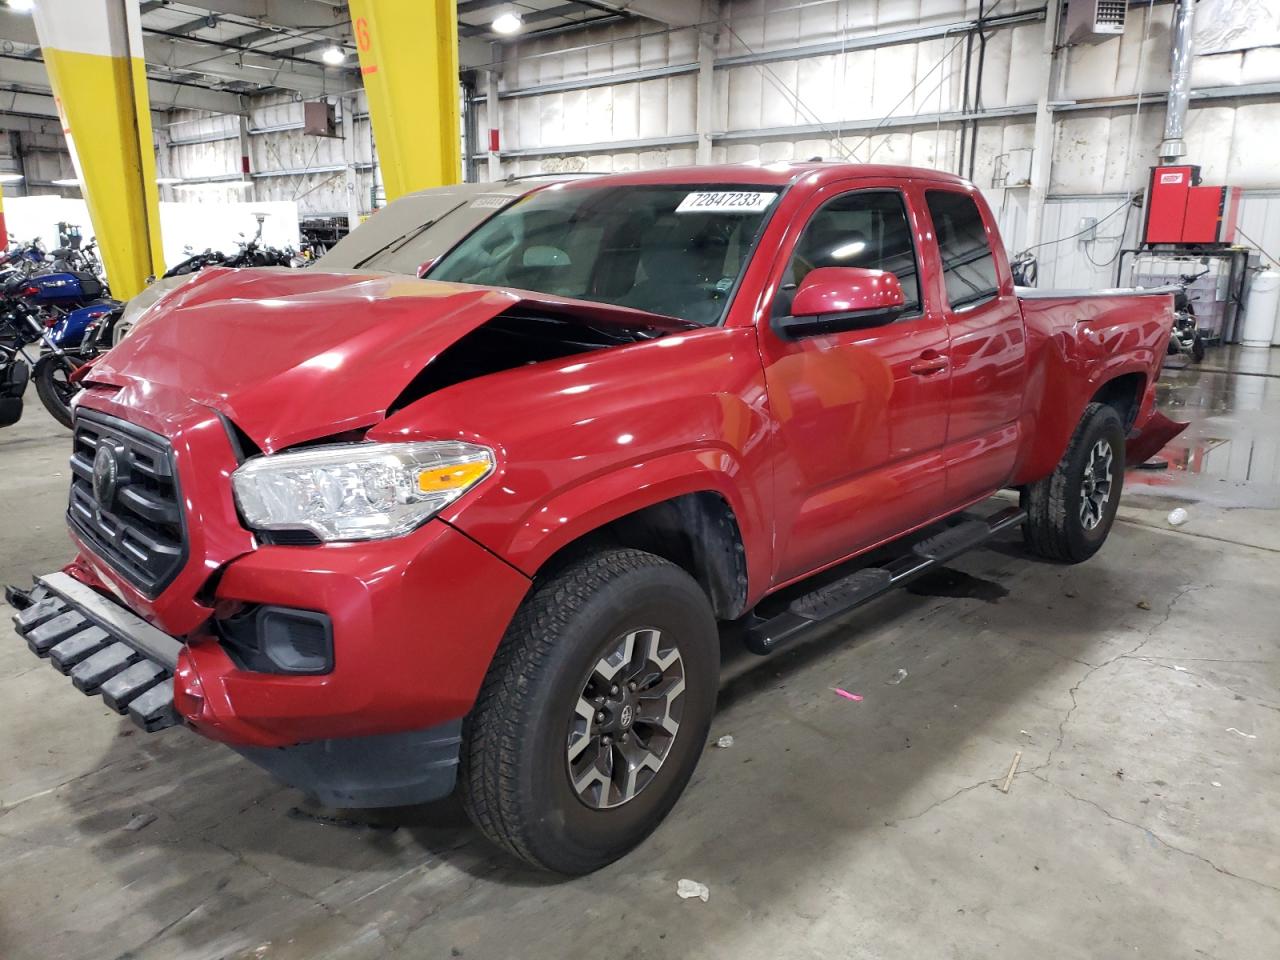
(295, 355)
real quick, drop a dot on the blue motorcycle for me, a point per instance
(55, 310)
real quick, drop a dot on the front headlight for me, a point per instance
(358, 491)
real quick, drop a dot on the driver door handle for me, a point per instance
(929, 363)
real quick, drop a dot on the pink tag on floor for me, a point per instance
(855, 697)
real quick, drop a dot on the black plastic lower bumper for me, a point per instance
(390, 770)
(104, 648)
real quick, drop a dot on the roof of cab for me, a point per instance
(767, 174)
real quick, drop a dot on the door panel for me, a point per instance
(988, 358)
(861, 415)
(988, 349)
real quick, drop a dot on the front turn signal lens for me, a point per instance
(458, 476)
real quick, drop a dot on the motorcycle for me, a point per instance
(55, 311)
(252, 253)
(1185, 340)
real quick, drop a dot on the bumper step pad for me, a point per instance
(97, 656)
(77, 647)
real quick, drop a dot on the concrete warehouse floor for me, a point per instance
(1143, 689)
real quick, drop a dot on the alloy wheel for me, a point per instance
(1095, 488)
(625, 719)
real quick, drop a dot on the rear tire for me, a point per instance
(546, 728)
(1070, 512)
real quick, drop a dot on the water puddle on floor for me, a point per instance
(1230, 454)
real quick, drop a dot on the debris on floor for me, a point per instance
(725, 742)
(140, 820)
(898, 676)
(1248, 736)
(839, 692)
(688, 889)
(1144, 605)
(1178, 516)
(298, 813)
(1013, 768)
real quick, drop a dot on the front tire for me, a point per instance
(54, 388)
(1070, 512)
(594, 712)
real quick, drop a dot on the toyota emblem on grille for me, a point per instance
(106, 474)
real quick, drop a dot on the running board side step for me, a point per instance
(847, 594)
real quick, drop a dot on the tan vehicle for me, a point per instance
(401, 237)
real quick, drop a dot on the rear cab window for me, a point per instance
(968, 265)
(862, 228)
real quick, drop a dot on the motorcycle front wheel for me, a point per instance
(54, 386)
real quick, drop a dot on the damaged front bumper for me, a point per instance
(104, 648)
(109, 651)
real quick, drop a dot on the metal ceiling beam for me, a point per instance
(284, 13)
(30, 123)
(17, 28)
(191, 55)
(249, 67)
(31, 75)
(200, 23)
(533, 16)
(674, 13)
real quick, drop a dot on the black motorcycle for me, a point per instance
(24, 325)
(1185, 340)
(252, 253)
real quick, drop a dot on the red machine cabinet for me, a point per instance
(1181, 211)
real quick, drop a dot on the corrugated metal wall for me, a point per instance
(286, 164)
(879, 104)
(1098, 152)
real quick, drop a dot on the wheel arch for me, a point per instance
(675, 508)
(1123, 392)
(1125, 388)
(698, 532)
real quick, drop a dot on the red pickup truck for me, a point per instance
(383, 534)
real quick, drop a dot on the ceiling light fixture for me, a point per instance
(334, 56)
(11, 177)
(167, 181)
(507, 23)
(21, 6)
(70, 182)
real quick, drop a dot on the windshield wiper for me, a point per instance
(400, 242)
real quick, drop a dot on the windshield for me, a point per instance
(673, 250)
(412, 230)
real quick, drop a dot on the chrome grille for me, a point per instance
(134, 520)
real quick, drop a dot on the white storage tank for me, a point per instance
(1260, 321)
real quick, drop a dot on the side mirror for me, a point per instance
(833, 299)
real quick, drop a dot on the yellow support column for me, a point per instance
(409, 60)
(93, 52)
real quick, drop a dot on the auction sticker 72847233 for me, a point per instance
(726, 201)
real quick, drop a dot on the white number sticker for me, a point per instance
(726, 201)
(490, 202)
